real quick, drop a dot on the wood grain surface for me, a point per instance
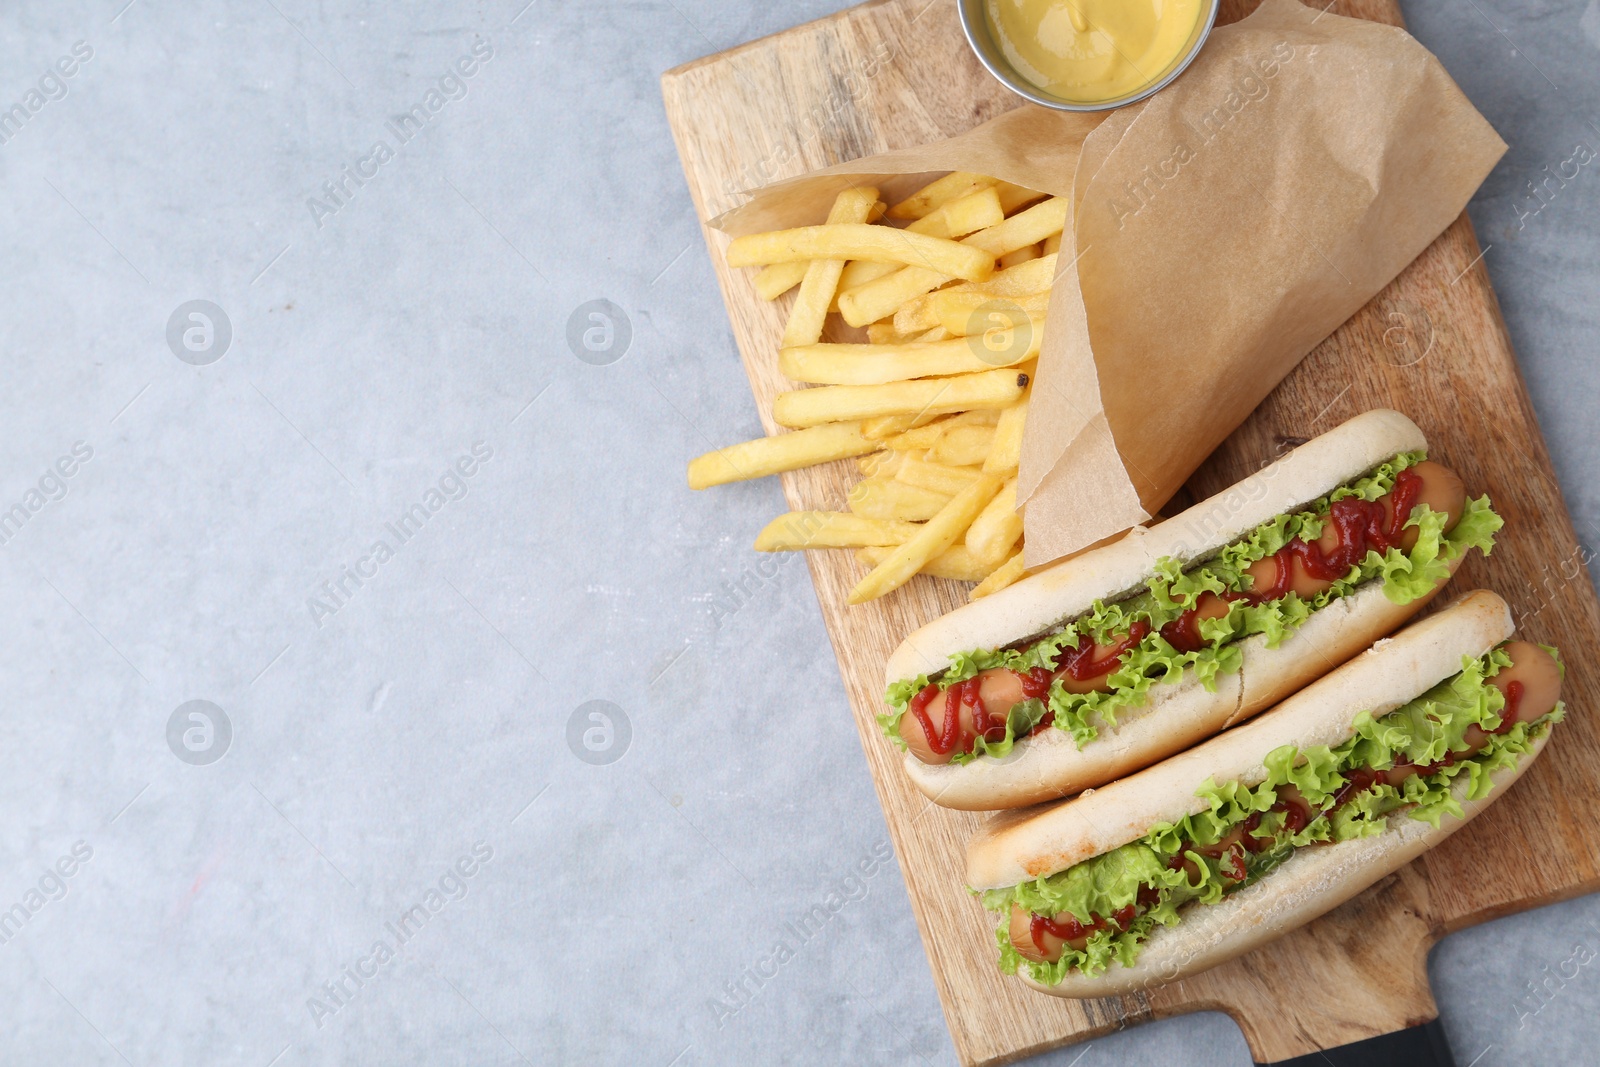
(896, 73)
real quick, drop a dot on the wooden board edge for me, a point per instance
(1104, 1016)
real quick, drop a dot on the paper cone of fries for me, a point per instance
(1214, 235)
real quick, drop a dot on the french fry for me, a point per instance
(933, 407)
(783, 452)
(917, 315)
(885, 498)
(884, 296)
(1013, 197)
(997, 529)
(961, 314)
(937, 535)
(831, 529)
(884, 463)
(961, 217)
(955, 219)
(962, 446)
(920, 437)
(880, 298)
(936, 477)
(1005, 454)
(951, 186)
(821, 282)
(923, 437)
(955, 563)
(838, 403)
(884, 333)
(1024, 279)
(885, 426)
(1005, 574)
(859, 272)
(1034, 276)
(1021, 255)
(772, 282)
(962, 317)
(837, 364)
(1022, 229)
(861, 240)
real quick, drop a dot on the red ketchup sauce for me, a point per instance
(1083, 664)
(944, 740)
(1297, 814)
(1183, 633)
(1036, 686)
(1231, 851)
(962, 694)
(1070, 929)
(1036, 683)
(1508, 714)
(1359, 525)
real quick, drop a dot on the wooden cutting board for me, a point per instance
(1432, 345)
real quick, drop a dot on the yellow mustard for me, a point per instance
(1092, 51)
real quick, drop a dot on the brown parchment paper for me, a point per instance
(1030, 146)
(1222, 230)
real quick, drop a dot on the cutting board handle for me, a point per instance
(1415, 1046)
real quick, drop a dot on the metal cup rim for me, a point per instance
(972, 24)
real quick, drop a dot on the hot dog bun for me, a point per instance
(1041, 601)
(1048, 765)
(1019, 847)
(1309, 884)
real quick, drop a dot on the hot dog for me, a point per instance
(1114, 659)
(1210, 853)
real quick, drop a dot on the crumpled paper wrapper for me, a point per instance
(1221, 230)
(1030, 146)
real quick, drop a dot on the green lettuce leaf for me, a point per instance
(1420, 732)
(1024, 716)
(1171, 590)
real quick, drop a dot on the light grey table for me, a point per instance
(419, 844)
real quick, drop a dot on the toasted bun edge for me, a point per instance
(1050, 766)
(1392, 672)
(1042, 601)
(1309, 884)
